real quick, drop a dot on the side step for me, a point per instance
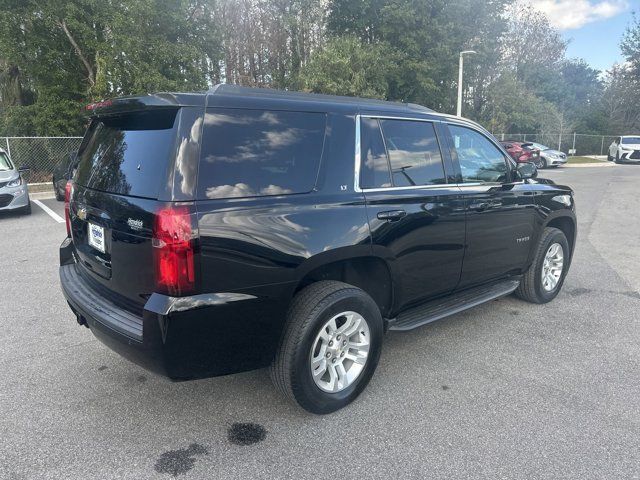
(451, 304)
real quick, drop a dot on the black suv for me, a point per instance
(219, 232)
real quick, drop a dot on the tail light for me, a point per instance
(175, 235)
(68, 190)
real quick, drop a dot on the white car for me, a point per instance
(14, 193)
(625, 149)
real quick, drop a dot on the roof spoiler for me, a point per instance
(121, 105)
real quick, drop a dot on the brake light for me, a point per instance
(174, 240)
(68, 191)
(94, 106)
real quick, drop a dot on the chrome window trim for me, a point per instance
(356, 182)
(356, 178)
(410, 187)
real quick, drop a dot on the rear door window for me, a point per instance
(399, 153)
(249, 153)
(127, 154)
(374, 169)
(414, 153)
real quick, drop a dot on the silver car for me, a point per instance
(14, 192)
(550, 157)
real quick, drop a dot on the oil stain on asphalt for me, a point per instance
(179, 462)
(246, 433)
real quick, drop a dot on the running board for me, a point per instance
(451, 304)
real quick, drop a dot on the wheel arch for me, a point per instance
(363, 270)
(567, 225)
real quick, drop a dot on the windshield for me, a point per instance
(5, 163)
(630, 140)
(539, 146)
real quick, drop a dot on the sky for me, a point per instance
(593, 27)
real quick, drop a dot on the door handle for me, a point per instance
(479, 207)
(482, 206)
(391, 215)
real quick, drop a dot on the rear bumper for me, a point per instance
(181, 338)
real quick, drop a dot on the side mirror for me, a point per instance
(24, 168)
(527, 170)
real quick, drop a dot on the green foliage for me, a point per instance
(630, 45)
(69, 53)
(57, 55)
(347, 67)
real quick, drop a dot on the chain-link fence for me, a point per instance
(42, 154)
(577, 143)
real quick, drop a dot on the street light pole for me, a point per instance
(460, 69)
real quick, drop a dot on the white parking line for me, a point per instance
(51, 213)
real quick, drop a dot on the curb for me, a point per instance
(41, 195)
(583, 165)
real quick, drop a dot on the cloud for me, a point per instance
(244, 190)
(574, 14)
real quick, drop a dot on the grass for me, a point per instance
(584, 160)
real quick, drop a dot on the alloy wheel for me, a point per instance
(339, 352)
(552, 267)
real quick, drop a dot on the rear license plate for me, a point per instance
(96, 237)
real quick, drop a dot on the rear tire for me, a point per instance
(617, 159)
(532, 288)
(311, 310)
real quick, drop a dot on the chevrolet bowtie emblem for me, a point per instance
(82, 213)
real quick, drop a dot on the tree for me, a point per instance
(73, 52)
(630, 46)
(347, 67)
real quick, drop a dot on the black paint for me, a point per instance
(246, 433)
(179, 462)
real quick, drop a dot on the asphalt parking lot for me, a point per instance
(506, 390)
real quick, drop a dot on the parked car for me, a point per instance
(245, 228)
(14, 191)
(63, 172)
(625, 149)
(549, 157)
(523, 152)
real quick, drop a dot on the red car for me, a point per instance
(523, 152)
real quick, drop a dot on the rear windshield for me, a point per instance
(249, 153)
(127, 154)
(631, 140)
(5, 163)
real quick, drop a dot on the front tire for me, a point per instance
(330, 346)
(26, 210)
(59, 196)
(617, 160)
(545, 276)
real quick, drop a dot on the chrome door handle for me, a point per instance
(391, 215)
(479, 207)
